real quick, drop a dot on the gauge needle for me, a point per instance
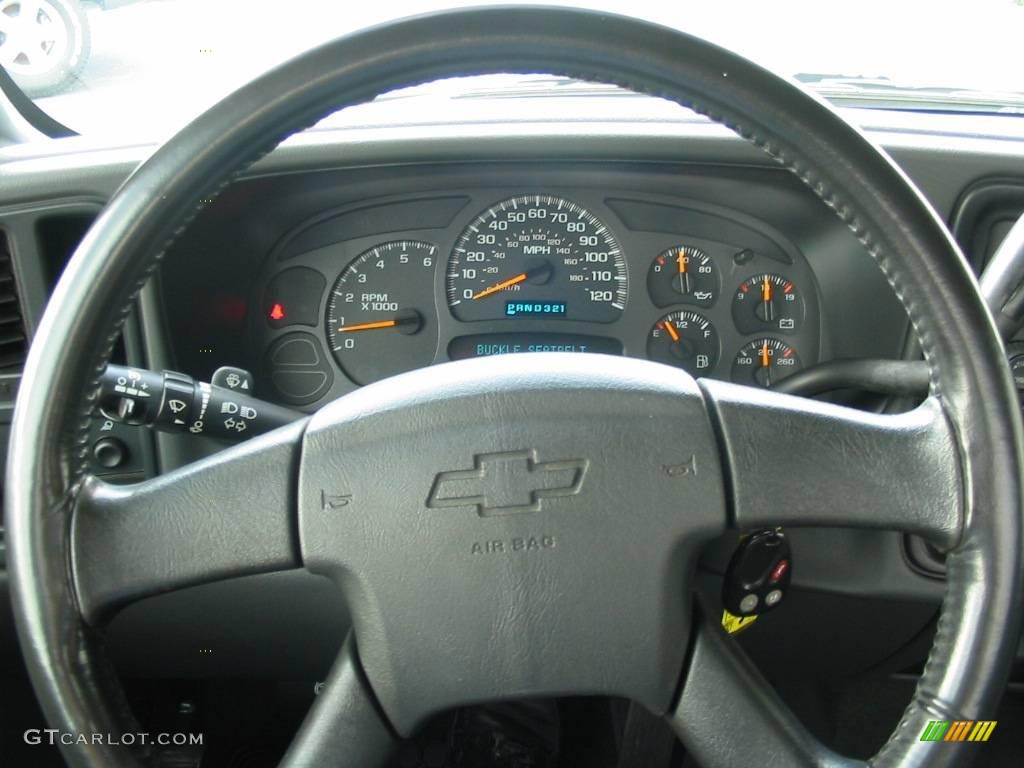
(672, 331)
(766, 359)
(368, 326)
(684, 277)
(501, 286)
(766, 296)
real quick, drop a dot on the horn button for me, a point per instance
(511, 527)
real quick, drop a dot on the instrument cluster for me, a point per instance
(540, 272)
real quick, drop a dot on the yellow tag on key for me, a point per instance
(733, 624)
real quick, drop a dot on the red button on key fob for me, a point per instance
(779, 571)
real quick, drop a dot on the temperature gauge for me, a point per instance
(686, 340)
(764, 362)
(767, 302)
(683, 275)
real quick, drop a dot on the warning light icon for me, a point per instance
(276, 312)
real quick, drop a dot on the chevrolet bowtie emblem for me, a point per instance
(507, 483)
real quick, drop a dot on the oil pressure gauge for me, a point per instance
(683, 274)
(686, 340)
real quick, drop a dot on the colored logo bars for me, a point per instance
(958, 730)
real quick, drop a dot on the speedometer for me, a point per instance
(537, 256)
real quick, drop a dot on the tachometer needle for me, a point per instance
(672, 331)
(501, 286)
(368, 326)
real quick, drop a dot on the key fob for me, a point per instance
(758, 574)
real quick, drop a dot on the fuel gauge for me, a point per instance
(686, 340)
(683, 274)
(764, 362)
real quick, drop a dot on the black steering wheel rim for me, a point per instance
(971, 386)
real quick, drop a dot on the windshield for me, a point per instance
(143, 68)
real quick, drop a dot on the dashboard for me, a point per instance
(501, 270)
(321, 283)
(260, 278)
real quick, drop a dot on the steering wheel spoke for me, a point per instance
(792, 461)
(345, 726)
(232, 514)
(729, 716)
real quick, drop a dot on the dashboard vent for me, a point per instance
(13, 342)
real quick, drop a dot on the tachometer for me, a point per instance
(537, 256)
(380, 313)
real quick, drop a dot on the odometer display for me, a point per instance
(534, 308)
(537, 250)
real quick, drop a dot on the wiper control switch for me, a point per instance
(174, 402)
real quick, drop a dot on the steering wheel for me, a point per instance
(468, 583)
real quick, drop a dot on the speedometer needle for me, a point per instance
(538, 273)
(501, 286)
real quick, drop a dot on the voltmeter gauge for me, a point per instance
(767, 302)
(765, 362)
(683, 274)
(686, 340)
